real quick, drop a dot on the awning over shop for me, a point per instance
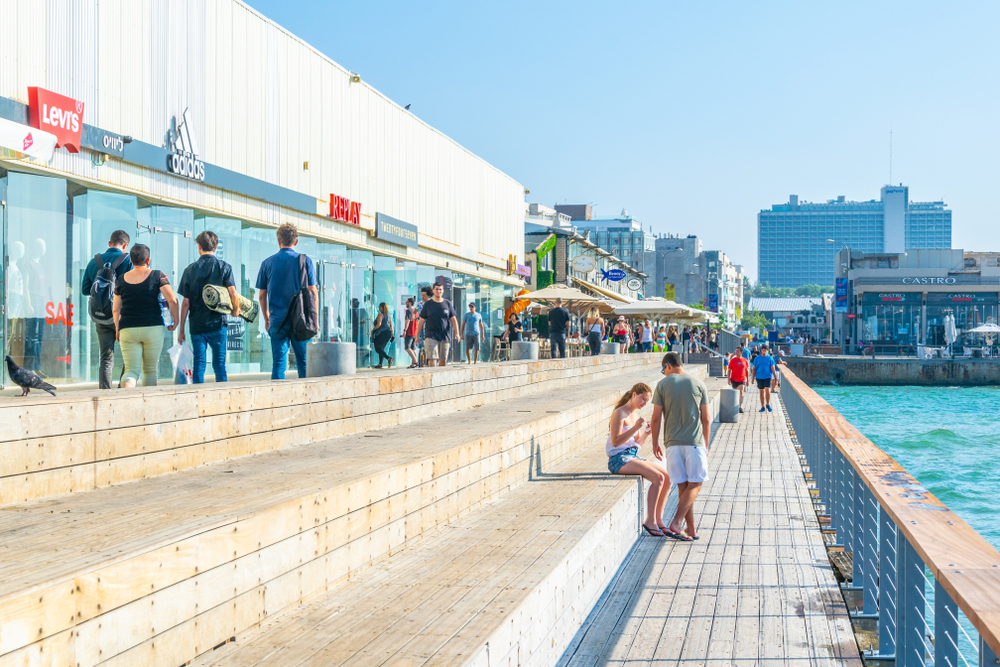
(604, 292)
(20, 141)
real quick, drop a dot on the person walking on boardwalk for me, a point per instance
(439, 322)
(738, 372)
(473, 332)
(559, 319)
(139, 318)
(277, 285)
(625, 437)
(763, 372)
(383, 334)
(595, 331)
(114, 263)
(208, 327)
(680, 405)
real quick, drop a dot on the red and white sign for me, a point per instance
(22, 141)
(58, 114)
(345, 210)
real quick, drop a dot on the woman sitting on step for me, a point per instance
(628, 432)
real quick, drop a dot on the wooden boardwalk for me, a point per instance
(756, 589)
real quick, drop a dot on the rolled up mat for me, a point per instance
(217, 298)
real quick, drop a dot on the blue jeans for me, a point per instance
(279, 353)
(199, 342)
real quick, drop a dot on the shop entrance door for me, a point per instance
(332, 301)
(169, 234)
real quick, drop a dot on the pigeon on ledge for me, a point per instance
(26, 379)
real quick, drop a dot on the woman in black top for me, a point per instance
(138, 319)
(382, 334)
(514, 328)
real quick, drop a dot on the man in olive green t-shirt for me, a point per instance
(680, 404)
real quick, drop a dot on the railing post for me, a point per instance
(987, 658)
(945, 628)
(860, 538)
(847, 503)
(911, 606)
(880, 591)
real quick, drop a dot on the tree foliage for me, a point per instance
(765, 290)
(754, 318)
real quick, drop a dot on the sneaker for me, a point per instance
(741, 410)
(769, 409)
(762, 409)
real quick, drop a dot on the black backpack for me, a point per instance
(102, 290)
(302, 319)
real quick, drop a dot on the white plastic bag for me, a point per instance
(181, 357)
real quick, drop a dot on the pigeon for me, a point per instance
(26, 379)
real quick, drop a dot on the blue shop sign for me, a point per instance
(841, 295)
(395, 231)
(614, 275)
(713, 302)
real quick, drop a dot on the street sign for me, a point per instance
(614, 275)
(634, 284)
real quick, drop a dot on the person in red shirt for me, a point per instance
(739, 367)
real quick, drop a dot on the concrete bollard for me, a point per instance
(716, 368)
(609, 348)
(729, 406)
(331, 359)
(523, 350)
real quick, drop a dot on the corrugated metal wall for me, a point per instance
(262, 102)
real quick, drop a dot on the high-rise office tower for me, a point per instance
(794, 239)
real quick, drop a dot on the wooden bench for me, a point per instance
(159, 572)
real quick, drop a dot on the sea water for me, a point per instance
(948, 438)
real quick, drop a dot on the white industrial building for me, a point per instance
(206, 115)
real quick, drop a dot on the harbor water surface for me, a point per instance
(946, 437)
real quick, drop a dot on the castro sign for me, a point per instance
(929, 281)
(58, 115)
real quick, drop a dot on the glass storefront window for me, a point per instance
(361, 292)
(330, 274)
(95, 216)
(256, 245)
(38, 265)
(970, 310)
(229, 250)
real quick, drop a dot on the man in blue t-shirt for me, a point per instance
(278, 283)
(763, 372)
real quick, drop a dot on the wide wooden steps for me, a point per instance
(163, 570)
(87, 440)
(509, 584)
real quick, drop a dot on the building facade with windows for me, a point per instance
(552, 243)
(682, 271)
(217, 118)
(796, 241)
(899, 301)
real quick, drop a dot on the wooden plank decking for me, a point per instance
(756, 589)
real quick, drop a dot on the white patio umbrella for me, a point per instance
(573, 299)
(989, 329)
(655, 308)
(950, 332)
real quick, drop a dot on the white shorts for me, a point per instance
(685, 463)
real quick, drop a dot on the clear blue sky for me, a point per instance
(695, 116)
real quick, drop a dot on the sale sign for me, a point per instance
(57, 114)
(342, 208)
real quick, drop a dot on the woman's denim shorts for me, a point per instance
(616, 462)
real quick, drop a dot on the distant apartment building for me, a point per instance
(797, 241)
(683, 271)
(622, 236)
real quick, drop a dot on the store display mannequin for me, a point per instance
(34, 324)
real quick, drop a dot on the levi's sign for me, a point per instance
(58, 115)
(392, 230)
(345, 210)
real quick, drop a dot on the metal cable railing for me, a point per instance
(897, 533)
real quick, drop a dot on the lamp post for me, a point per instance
(835, 313)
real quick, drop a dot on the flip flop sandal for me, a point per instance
(683, 537)
(653, 531)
